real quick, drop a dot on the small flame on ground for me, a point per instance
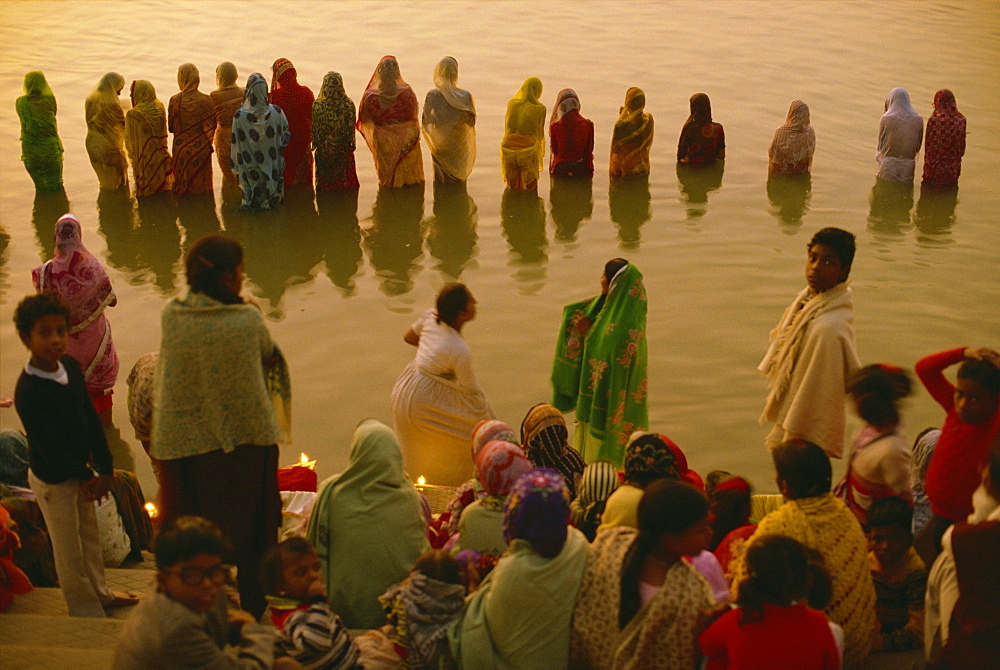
(151, 510)
(303, 458)
(421, 480)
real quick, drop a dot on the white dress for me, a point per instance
(436, 403)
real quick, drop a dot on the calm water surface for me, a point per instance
(342, 276)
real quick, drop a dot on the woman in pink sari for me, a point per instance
(389, 122)
(81, 282)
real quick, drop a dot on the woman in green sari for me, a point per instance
(41, 150)
(600, 364)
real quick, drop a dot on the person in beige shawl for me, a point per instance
(146, 141)
(794, 142)
(812, 351)
(106, 131)
(226, 99)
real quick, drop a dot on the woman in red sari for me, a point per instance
(191, 117)
(571, 138)
(944, 144)
(702, 141)
(389, 122)
(82, 283)
(296, 101)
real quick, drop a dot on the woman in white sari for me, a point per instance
(437, 402)
(900, 133)
(794, 142)
(449, 124)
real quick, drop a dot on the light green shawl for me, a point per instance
(367, 527)
(605, 372)
(519, 617)
(41, 150)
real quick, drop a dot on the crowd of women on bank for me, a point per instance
(269, 138)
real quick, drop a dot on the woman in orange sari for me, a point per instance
(632, 138)
(389, 122)
(192, 121)
(226, 100)
(146, 141)
(523, 145)
(106, 131)
(296, 101)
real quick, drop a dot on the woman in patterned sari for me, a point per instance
(388, 120)
(701, 141)
(296, 101)
(41, 150)
(523, 145)
(260, 135)
(944, 143)
(82, 283)
(633, 136)
(192, 121)
(794, 142)
(146, 141)
(449, 123)
(106, 131)
(333, 118)
(600, 364)
(225, 100)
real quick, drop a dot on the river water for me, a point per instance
(722, 250)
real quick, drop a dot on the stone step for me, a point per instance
(39, 641)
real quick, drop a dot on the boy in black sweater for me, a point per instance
(64, 438)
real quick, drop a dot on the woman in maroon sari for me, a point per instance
(944, 144)
(296, 101)
(82, 283)
(191, 117)
(571, 137)
(702, 141)
(389, 122)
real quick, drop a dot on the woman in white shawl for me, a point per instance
(900, 133)
(794, 142)
(260, 134)
(449, 124)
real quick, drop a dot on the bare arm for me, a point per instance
(411, 337)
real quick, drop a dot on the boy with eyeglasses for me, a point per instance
(189, 620)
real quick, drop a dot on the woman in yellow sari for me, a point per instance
(106, 131)
(225, 100)
(192, 121)
(41, 150)
(389, 122)
(632, 137)
(146, 141)
(523, 144)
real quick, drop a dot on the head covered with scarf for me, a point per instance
(226, 75)
(498, 465)
(537, 511)
(445, 80)
(545, 440)
(648, 457)
(490, 429)
(188, 77)
(566, 101)
(599, 481)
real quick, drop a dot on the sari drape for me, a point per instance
(701, 141)
(333, 118)
(900, 133)
(192, 121)
(41, 150)
(571, 137)
(794, 142)
(449, 124)
(296, 101)
(82, 283)
(260, 134)
(545, 440)
(106, 131)
(367, 526)
(944, 143)
(146, 141)
(226, 99)
(603, 374)
(632, 137)
(388, 121)
(523, 145)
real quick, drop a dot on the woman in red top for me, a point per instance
(390, 124)
(944, 144)
(296, 101)
(571, 137)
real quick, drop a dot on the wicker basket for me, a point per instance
(437, 496)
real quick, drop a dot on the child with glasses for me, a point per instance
(189, 619)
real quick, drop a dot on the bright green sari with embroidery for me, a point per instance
(603, 375)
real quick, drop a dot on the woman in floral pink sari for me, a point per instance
(389, 122)
(81, 282)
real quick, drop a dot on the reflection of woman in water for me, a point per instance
(633, 136)
(437, 401)
(600, 364)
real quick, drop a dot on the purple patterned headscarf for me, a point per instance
(538, 510)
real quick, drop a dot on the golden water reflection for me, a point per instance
(522, 216)
(629, 202)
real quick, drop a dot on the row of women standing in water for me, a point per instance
(266, 138)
